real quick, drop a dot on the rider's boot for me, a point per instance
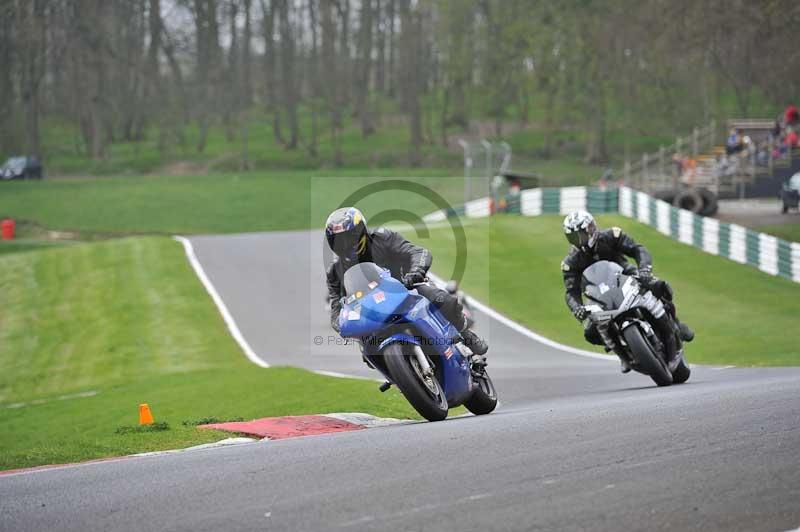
(624, 365)
(476, 345)
(687, 334)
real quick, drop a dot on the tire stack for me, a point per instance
(698, 200)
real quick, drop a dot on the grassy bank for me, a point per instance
(224, 203)
(741, 316)
(128, 321)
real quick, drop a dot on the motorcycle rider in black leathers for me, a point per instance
(352, 243)
(589, 245)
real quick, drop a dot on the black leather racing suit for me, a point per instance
(613, 245)
(390, 250)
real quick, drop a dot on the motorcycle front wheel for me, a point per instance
(647, 361)
(424, 393)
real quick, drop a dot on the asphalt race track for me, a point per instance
(574, 445)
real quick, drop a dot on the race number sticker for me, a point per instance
(379, 296)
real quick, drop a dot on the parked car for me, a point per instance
(21, 168)
(790, 194)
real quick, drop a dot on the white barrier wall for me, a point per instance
(745, 246)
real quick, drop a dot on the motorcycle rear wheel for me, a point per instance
(427, 398)
(648, 361)
(484, 398)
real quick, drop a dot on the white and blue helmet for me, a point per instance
(581, 230)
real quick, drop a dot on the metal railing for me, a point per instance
(657, 171)
(482, 161)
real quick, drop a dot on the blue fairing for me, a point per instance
(389, 304)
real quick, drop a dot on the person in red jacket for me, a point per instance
(791, 115)
(791, 138)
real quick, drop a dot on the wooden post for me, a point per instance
(626, 173)
(645, 171)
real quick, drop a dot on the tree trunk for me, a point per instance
(232, 85)
(390, 16)
(345, 72)
(363, 68)
(31, 36)
(247, 56)
(331, 78)
(314, 77)
(288, 73)
(271, 69)
(411, 33)
(380, 64)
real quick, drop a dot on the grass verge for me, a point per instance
(741, 316)
(790, 232)
(128, 321)
(224, 203)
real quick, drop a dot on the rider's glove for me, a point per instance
(335, 321)
(413, 277)
(581, 313)
(645, 275)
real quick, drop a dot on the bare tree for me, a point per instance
(363, 68)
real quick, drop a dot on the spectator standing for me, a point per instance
(734, 142)
(791, 138)
(791, 116)
(776, 130)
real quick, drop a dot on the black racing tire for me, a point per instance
(681, 373)
(665, 195)
(710, 204)
(647, 361)
(430, 405)
(688, 199)
(484, 398)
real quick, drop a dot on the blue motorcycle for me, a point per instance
(408, 340)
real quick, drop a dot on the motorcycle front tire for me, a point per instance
(430, 405)
(647, 361)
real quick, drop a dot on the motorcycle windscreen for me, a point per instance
(362, 278)
(601, 283)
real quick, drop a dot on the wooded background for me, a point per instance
(146, 70)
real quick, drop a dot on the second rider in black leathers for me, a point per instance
(589, 245)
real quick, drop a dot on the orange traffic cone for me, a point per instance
(145, 416)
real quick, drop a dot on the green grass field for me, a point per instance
(790, 231)
(741, 316)
(224, 203)
(129, 320)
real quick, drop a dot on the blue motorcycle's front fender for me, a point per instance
(373, 353)
(398, 338)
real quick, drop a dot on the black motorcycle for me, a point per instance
(625, 313)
